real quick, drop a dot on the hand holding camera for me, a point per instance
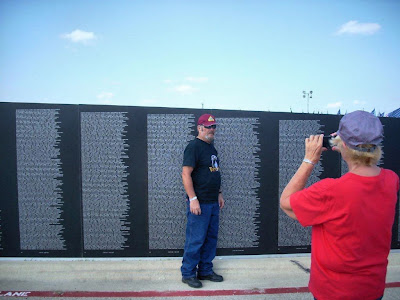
(327, 142)
(313, 148)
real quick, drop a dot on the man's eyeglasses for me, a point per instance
(211, 126)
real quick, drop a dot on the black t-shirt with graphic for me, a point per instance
(206, 176)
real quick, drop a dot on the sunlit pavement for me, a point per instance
(245, 277)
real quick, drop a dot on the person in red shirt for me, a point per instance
(351, 216)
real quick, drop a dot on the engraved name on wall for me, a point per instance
(237, 143)
(105, 201)
(167, 137)
(39, 177)
(292, 134)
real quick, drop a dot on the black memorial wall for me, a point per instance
(105, 181)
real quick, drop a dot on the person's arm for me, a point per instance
(188, 185)
(221, 200)
(298, 182)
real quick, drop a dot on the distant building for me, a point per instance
(394, 114)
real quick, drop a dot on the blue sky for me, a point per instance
(241, 55)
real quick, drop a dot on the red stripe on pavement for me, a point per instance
(392, 284)
(156, 294)
(148, 294)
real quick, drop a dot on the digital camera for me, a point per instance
(325, 142)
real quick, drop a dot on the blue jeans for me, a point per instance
(201, 240)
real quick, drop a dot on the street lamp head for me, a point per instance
(310, 92)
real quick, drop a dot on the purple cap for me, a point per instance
(360, 128)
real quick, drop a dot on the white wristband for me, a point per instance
(194, 198)
(306, 160)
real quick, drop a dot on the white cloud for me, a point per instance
(105, 96)
(196, 79)
(334, 105)
(353, 27)
(184, 89)
(168, 81)
(79, 36)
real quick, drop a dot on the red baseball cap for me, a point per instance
(206, 120)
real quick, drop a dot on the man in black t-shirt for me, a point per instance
(202, 182)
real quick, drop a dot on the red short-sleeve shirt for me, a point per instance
(351, 219)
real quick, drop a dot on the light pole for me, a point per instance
(309, 95)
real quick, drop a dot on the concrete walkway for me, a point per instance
(245, 277)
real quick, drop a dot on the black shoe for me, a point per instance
(192, 282)
(212, 277)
